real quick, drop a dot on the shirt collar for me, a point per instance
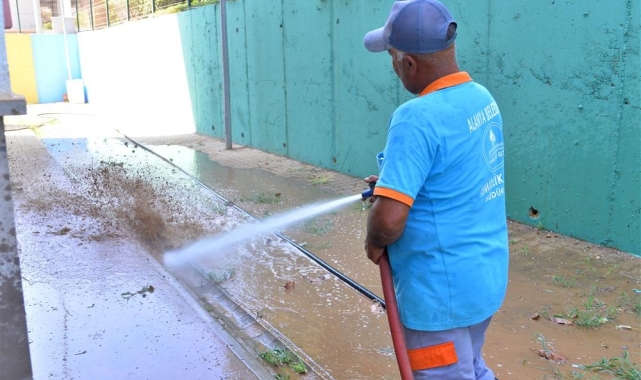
(447, 81)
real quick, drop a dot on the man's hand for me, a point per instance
(370, 179)
(374, 253)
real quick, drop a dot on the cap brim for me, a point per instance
(375, 42)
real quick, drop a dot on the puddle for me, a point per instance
(335, 326)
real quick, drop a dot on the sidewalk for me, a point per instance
(99, 307)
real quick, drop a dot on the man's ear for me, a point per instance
(411, 62)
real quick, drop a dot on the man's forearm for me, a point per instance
(379, 238)
(386, 222)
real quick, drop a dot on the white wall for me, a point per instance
(135, 72)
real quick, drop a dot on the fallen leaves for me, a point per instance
(551, 355)
(548, 351)
(561, 321)
(557, 320)
(143, 292)
(290, 285)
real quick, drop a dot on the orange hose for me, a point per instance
(395, 326)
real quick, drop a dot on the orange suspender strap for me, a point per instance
(433, 356)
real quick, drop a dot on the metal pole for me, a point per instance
(77, 18)
(107, 7)
(128, 11)
(15, 359)
(37, 16)
(223, 26)
(64, 36)
(91, 12)
(18, 13)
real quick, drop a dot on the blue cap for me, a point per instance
(413, 26)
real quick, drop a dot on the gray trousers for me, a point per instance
(438, 349)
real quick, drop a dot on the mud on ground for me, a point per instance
(569, 302)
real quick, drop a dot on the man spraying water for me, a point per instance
(446, 237)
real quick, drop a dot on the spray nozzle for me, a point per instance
(369, 192)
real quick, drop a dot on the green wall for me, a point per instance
(200, 44)
(565, 76)
(302, 85)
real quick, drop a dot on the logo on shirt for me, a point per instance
(483, 116)
(493, 146)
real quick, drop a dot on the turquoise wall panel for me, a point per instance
(365, 87)
(307, 57)
(474, 40)
(238, 65)
(625, 216)
(561, 94)
(265, 73)
(50, 64)
(200, 47)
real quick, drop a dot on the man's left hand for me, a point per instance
(374, 253)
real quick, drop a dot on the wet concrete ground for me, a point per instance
(94, 212)
(99, 306)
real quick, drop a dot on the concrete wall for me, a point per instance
(302, 85)
(565, 75)
(38, 65)
(315, 94)
(20, 60)
(137, 72)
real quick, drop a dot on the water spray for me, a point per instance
(389, 303)
(182, 256)
(348, 281)
(206, 245)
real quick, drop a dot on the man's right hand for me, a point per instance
(371, 179)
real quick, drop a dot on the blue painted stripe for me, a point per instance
(51, 65)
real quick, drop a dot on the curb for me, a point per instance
(246, 335)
